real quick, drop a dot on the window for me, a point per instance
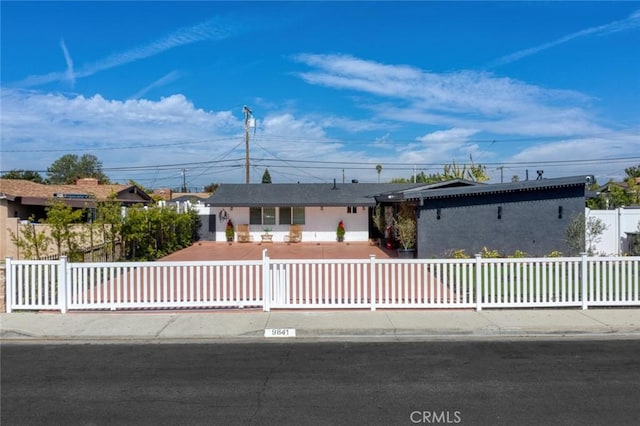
(292, 216)
(268, 215)
(255, 215)
(262, 215)
(298, 215)
(352, 209)
(285, 215)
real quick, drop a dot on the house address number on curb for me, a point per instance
(279, 332)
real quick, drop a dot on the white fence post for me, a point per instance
(62, 284)
(372, 279)
(9, 285)
(478, 281)
(266, 282)
(583, 280)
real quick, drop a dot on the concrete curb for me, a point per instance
(159, 327)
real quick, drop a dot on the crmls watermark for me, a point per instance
(436, 417)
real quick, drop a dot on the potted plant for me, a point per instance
(267, 237)
(229, 231)
(340, 231)
(406, 231)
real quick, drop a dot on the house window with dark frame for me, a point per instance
(262, 215)
(268, 215)
(292, 215)
(255, 215)
(352, 209)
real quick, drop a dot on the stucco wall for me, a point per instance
(320, 224)
(9, 249)
(614, 239)
(529, 221)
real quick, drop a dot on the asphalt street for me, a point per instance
(525, 382)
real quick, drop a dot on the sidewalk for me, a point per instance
(250, 325)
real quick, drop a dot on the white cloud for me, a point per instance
(468, 99)
(38, 128)
(121, 132)
(606, 159)
(448, 136)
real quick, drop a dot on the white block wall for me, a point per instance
(613, 241)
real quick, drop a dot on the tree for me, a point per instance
(633, 172)
(405, 226)
(616, 196)
(266, 177)
(379, 170)
(633, 191)
(23, 175)
(109, 221)
(69, 168)
(32, 243)
(583, 233)
(212, 187)
(476, 173)
(61, 217)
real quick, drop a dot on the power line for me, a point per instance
(297, 140)
(180, 143)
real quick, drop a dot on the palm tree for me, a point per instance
(379, 170)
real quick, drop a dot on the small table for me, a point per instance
(267, 238)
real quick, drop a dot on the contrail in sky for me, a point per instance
(67, 58)
(211, 29)
(166, 79)
(631, 21)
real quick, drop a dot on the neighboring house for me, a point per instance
(318, 207)
(22, 199)
(197, 201)
(630, 187)
(530, 216)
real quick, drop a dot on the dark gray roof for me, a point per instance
(301, 194)
(528, 185)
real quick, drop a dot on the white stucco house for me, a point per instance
(318, 208)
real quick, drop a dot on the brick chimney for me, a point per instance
(87, 182)
(165, 193)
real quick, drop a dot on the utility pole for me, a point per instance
(247, 114)
(501, 168)
(184, 180)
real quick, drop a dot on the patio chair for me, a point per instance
(294, 235)
(243, 234)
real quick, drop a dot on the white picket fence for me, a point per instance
(340, 284)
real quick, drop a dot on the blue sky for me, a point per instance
(157, 89)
